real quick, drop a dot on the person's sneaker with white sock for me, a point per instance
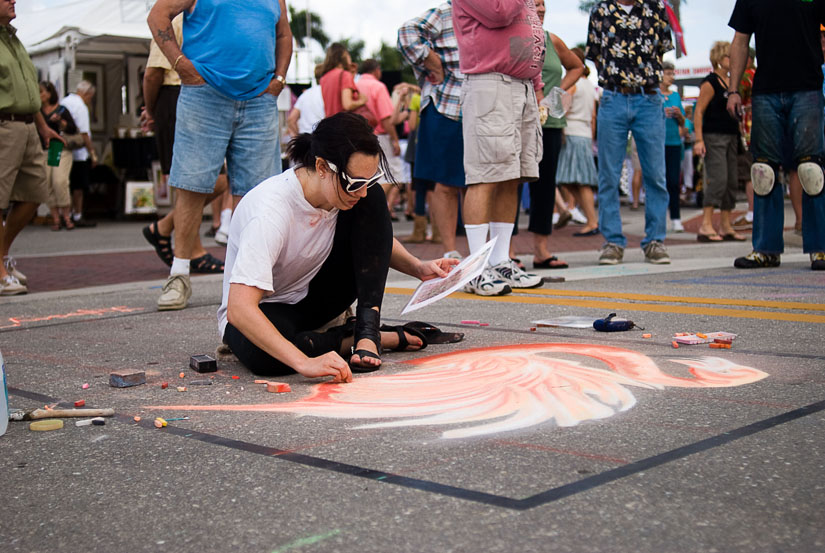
(676, 226)
(453, 254)
(486, 284)
(175, 293)
(511, 274)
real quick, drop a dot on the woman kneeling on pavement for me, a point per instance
(305, 244)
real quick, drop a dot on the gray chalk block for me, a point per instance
(124, 379)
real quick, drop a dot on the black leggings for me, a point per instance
(356, 268)
(673, 168)
(543, 191)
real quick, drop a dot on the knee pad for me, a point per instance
(763, 178)
(811, 178)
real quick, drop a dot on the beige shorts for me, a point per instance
(502, 133)
(395, 163)
(22, 164)
(57, 179)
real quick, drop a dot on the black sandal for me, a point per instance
(401, 331)
(206, 264)
(433, 334)
(367, 322)
(162, 244)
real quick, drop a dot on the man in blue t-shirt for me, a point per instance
(232, 67)
(787, 105)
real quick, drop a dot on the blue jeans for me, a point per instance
(210, 127)
(796, 117)
(644, 115)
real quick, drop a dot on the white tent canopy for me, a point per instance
(40, 30)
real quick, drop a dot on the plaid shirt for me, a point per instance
(433, 30)
(627, 47)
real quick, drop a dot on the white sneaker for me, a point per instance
(578, 216)
(486, 284)
(221, 237)
(676, 226)
(175, 293)
(515, 277)
(452, 255)
(11, 268)
(10, 286)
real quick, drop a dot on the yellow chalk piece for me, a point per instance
(160, 423)
(46, 425)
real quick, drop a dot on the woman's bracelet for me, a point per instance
(175, 65)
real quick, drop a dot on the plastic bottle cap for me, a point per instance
(45, 425)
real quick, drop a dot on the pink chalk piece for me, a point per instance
(470, 322)
(483, 324)
(262, 382)
(85, 386)
(278, 387)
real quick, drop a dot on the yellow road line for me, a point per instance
(648, 307)
(677, 299)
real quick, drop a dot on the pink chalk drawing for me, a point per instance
(504, 388)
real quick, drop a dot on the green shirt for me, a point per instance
(551, 75)
(19, 89)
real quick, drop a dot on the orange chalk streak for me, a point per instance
(20, 321)
(490, 390)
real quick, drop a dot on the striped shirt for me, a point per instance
(433, 30)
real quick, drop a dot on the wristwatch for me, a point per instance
(281, 79)
(729, 92)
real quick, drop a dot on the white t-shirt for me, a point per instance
(581, 110)
(311, 106)
(80, 113)
(277, 242)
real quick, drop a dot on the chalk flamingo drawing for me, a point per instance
(497, 389)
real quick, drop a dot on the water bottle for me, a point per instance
(4, 398)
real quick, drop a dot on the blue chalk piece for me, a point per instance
(125, 379)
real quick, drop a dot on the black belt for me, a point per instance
(647, 89)
(28, 118)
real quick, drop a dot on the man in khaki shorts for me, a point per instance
(501, 52)
(22, 158)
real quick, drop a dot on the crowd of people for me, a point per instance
(499, 102)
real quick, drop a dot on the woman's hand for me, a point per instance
(699, 148)
(328, 364)
(437, 268)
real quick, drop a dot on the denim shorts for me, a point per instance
(787, 127)
(211, 127)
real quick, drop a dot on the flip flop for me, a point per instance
(733, 237)
(708, 237)
(551, 262)
(403, 343)
(433, 334)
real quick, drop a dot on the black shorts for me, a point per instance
(79, 177)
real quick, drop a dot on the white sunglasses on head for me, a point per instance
(352, 184)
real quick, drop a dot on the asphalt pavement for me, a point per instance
(519, 438)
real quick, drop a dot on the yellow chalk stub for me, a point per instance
(46, 425)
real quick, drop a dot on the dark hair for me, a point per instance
(368, 66)
(49, 87)
(335, 57)
(335, 139)
(580, 54)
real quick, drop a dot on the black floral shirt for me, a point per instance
(627, 48)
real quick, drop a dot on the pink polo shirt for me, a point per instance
(499, 36)
(378, 99)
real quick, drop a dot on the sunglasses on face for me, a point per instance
(352, 184)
